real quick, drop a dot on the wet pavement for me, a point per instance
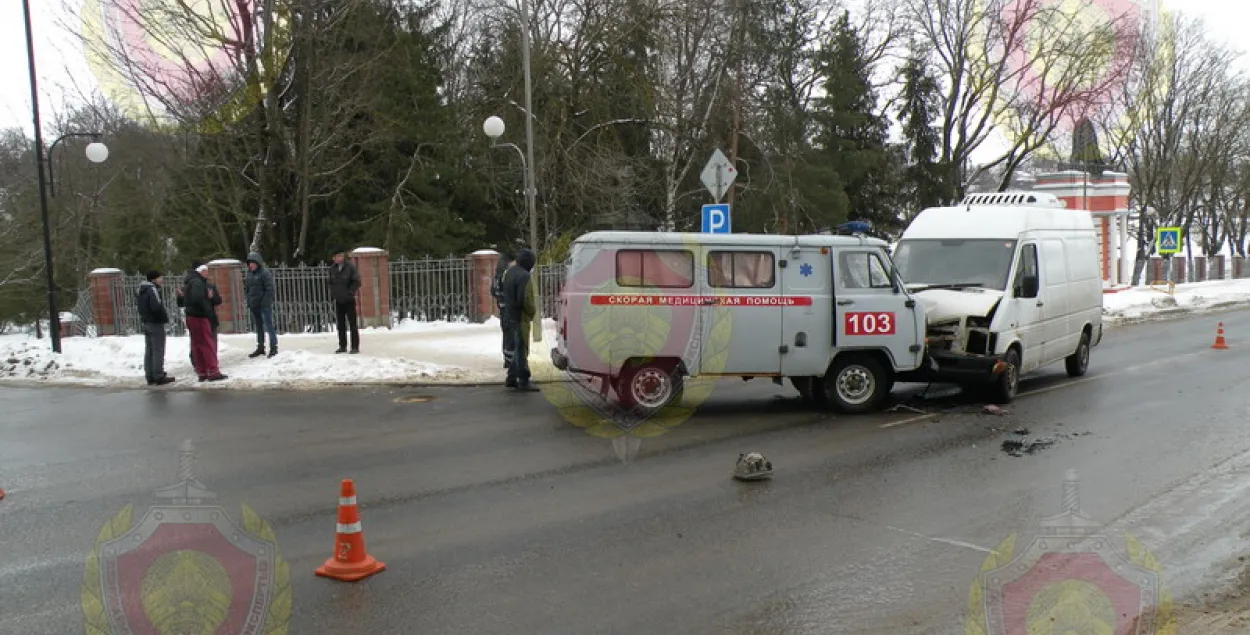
(494, 515)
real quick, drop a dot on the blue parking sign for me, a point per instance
(716, 219)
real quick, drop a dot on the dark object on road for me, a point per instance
(1020, 447)
(1024, 432)
(753, 467)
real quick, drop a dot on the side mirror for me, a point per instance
(1028, 287)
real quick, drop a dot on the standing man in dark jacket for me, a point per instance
(519, 309)
(496, 291)
(344, 283)
(200, 312)
(259, 291)
(154, 317)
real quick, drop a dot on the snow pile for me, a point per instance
(430, 352)
(1142, 303)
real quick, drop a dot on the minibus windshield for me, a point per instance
(955, 262)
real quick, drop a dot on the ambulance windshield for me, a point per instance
(955, 262)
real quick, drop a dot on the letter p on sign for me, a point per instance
(716, 219)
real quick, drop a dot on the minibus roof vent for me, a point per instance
(1022, 199)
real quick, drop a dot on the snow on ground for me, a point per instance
(1145, 303)
(414, 352)
(419, 352)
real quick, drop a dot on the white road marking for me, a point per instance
(945, 541)
(903, 422)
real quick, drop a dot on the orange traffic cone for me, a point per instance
(1219, 337)
(1, 494)
(350, 561)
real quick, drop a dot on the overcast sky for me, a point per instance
(63, 73)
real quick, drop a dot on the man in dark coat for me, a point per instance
(200, 315)
(344, 282)
(519, 308)
(154, 317)
(496, 291)
(259, 290)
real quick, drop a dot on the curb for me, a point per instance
(1169, 314)
(197, 387)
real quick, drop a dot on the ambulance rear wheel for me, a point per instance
(649, 386)
(856, 384)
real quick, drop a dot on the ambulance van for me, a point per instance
(642, 311)
(1009, 277)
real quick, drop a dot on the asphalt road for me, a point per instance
(493, 515)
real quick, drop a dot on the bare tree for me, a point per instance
(1025, 66)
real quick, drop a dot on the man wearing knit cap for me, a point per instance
(344, 283)
(154, 317)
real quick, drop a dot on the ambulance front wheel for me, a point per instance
(856, 384)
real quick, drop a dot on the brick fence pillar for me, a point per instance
(106, 300)
(227, 274)
(1200, 268)
(1215, 267)
(1179, 270)
(1239, 266)
(481, 271)
(1154, 270)
(373, 301)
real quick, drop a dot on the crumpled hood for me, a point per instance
(256, 258)
(946, 304)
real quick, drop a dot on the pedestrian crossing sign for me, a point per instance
(1168, 240)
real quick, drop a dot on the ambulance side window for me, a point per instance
(863, 270)
(655, 268)
(741, 269)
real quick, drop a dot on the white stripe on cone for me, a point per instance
(350, 500)
(353, 528)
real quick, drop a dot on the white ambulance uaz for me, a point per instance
(644, 310)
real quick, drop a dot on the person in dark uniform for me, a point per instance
(520, 307)
(496, 291)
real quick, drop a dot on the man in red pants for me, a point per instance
(199, 310)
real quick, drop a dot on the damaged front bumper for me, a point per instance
(946, 367)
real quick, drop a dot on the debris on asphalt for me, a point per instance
(1021, 447)
(1024, 432)
(898, 407)
(991, 409)
(753, 467)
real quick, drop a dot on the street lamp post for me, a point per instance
(96, 153)
(531, 190)
(494, 128)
